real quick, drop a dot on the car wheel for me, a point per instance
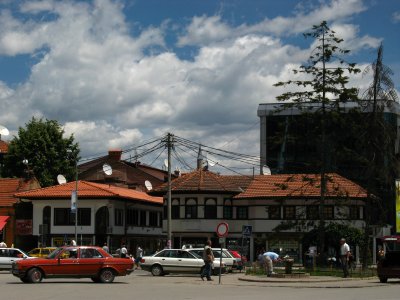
(156, 270)
(34, 275)
(106, 276)
(383, 279)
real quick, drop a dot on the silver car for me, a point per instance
(9, 255)
(176, 261)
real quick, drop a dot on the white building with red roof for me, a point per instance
(106, 213)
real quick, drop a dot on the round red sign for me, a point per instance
(222, 229)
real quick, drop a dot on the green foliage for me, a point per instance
(47, 151)
(325, 73)
(333, 233)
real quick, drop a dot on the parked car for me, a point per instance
(176, 261)
(389, 263)
(239, 258)
(75, 262)
(41, 252)
(10, 255)
(229, 261)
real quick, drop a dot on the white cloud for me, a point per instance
(105, 87)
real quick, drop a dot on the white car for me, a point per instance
(9, 255)
(176, 261)
(228, 260)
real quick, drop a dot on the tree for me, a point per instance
(322, 89)
(47, 152)
(381, 168)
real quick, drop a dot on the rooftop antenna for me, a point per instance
(61, 179)
(148, 185)
(3, 131)
(107, 169)
(266, 170)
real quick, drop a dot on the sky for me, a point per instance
(118, 73)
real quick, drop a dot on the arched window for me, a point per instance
(175, 209)
(228, 209)
(191, 208)
(210, 209)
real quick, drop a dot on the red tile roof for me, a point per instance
(3, 147)
(202, 181)
(10, 186)
(86, 190)
(301, 185)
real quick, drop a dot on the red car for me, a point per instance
(74, 262)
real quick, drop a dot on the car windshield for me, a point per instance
(392, 246)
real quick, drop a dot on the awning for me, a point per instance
(3, 221)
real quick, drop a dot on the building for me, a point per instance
(132, 175)
(202, 199)
(106, 213)
(16, 215)
(289, 143)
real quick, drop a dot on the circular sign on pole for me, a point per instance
(222, 229)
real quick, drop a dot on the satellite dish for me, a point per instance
(166, 163)
(61, 179)
(3, 130)
(266, 170)
(107, 169)
(148, 185)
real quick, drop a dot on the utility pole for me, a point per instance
(169, 200)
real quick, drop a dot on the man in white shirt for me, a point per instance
(124, 251)
(344, 256)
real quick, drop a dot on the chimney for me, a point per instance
(115, 154)
(201, 160)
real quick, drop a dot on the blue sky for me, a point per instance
(115, 73)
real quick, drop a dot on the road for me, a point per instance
(141, 285)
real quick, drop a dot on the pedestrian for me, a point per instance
(139, 255)
(344, 257)
(208, 258)
(73, 243)
(3, 244)
(269, 259)
(105, 248)
(123, 252)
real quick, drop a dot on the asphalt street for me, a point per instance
(142, 285)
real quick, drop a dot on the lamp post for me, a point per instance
(74, 199)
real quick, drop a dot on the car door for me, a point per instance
(67, 262)
(168, 259)
(4, 259)
(90, 261)
(15, 255)
(188, 263)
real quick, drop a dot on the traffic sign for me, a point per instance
(222, 229)
(247, 230)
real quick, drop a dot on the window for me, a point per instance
(90, 253)
(228, 209)
(274, 212)
(328, 212)
(242, 212)
(354, 212)
(153, 219)
(63, 217)
(143, 218)
(312, 212)
(132, 217)
(175, 212)
(84, 216)
(191, 209)
(210, 209)
(289, 212)
(118, 217)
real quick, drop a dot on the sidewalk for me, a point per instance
(313, 281)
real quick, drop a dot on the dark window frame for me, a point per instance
(191, 210)
(210, 210)
(289, 212)
(228, 209)
(242, 212)
(274, 212)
